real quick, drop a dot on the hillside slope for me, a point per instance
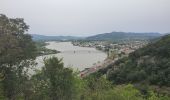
(150, 64)
(116, 36)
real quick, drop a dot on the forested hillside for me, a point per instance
(150, 65)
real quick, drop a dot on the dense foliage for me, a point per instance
(150, 64)
(54, 82)
(17, 51)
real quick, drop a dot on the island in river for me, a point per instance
(73, 56)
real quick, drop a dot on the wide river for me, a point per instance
(74, 56)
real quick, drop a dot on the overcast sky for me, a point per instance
(89, 17)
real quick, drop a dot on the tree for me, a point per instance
(54, 82)
(17, 52)
(60, 79)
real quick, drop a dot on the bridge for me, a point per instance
(80, 51)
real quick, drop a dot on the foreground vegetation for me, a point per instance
(53, 81)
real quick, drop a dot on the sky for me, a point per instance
(90, 17)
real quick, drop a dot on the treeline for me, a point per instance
(53, 81)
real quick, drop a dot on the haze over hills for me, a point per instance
(113, 36)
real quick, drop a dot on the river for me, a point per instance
(74, 56)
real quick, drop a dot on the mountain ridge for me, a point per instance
(113, 36)
(124, 36)
(37, 37)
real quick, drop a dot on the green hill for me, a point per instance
(117, 36)
(150, 65)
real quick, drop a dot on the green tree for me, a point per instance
(55, 82)
(17, 52)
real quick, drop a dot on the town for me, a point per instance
(114, 50)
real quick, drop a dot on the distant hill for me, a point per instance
(150, 64)
(116, 36)
(37, 37)
(113, 36)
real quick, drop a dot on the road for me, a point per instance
(96, 67)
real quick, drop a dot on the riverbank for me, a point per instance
(42, 50)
